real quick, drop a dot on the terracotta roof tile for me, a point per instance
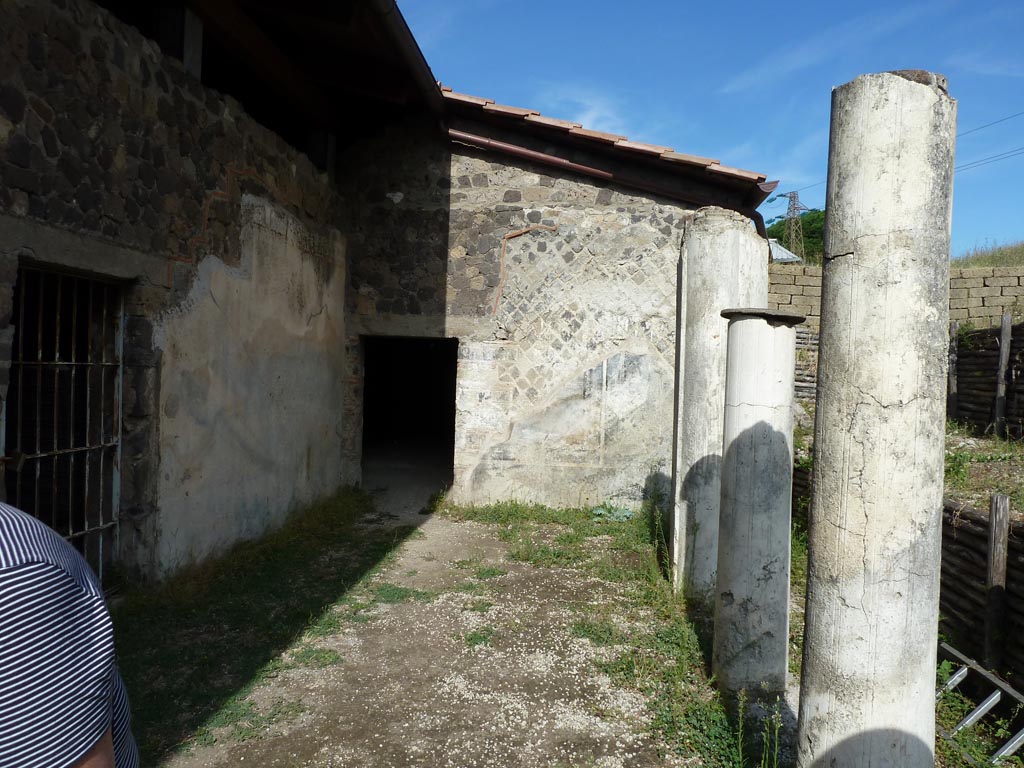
(617, 142)
(738, 172)
(639, 146)
(679, 157)
(611, 138)
(466, 98)
(507, 110)
(552, 122)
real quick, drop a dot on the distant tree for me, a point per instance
(814, 234)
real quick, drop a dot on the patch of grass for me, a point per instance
(471, 588)
(480, 606)
(311, 656)
(485, 572)
(393, 593)
(481, 636)
(239, 720)
(190, 648)
(600, 632)
(798, 595)
(994, 255)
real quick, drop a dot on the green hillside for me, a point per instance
(1011, 255)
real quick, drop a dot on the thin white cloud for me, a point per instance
(988, 64)
(591, 107)
(792, 58)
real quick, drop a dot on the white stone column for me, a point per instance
(867, 694)
(726, 265)
(752, 594)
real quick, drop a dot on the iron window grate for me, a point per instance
(62, 416)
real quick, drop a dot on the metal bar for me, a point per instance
(103, 424)
(21, 382)
(1008, 748)
(115, 500)
(88, 531)
(68, 451)
(979, 711)
(71, 410)
(56, 401)
(994, 681)
(39, 389)
(66, 364)
(954, 680)
(88, 404)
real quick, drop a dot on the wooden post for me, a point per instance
(1005, 332)
(995, 582)
(952, 406)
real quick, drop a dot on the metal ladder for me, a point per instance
(999, 688)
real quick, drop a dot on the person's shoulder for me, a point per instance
(25, 540)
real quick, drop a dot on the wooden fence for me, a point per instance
(981, 594)
(982, 591)
(986, 378)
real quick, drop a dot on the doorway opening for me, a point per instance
(409, 403)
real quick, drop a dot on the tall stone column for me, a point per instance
(752, 593)
(726, 265)
(867, 694)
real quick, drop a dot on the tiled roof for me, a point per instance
(621, 143)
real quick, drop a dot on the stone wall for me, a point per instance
(115, 161)
(978, 297)
(561, 293)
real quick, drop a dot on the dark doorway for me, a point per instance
(409, 401)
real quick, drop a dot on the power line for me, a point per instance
(994, 122)
(991, 159)
(966, 166)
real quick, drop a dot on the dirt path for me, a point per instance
(451, 655)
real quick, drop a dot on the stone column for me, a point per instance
(726, 265)
(867, 694)
(752, 593)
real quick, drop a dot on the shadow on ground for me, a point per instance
(191, 649)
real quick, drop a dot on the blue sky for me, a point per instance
(746, 83)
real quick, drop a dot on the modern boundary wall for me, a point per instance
(978, 297)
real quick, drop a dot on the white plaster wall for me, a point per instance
(251, 387)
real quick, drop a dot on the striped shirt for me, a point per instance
(60, 690)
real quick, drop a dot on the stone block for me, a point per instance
(1000, 281)
(984, 292)
(808, 280)
(958, 293)
(960, 303)
(985, 311)
(787, 269)
(975, 272)
(958, 314)
(966, 282)
(999, 301)
(1008, 272)
(1009, 291)
(779, 278)
(779, 298)
(812, 290)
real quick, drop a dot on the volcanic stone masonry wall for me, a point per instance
(114, 160)
(561, 293)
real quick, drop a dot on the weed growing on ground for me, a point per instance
(481, 636)
(393, 593)
(311, 656)
(599, 632)
(485, 572)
